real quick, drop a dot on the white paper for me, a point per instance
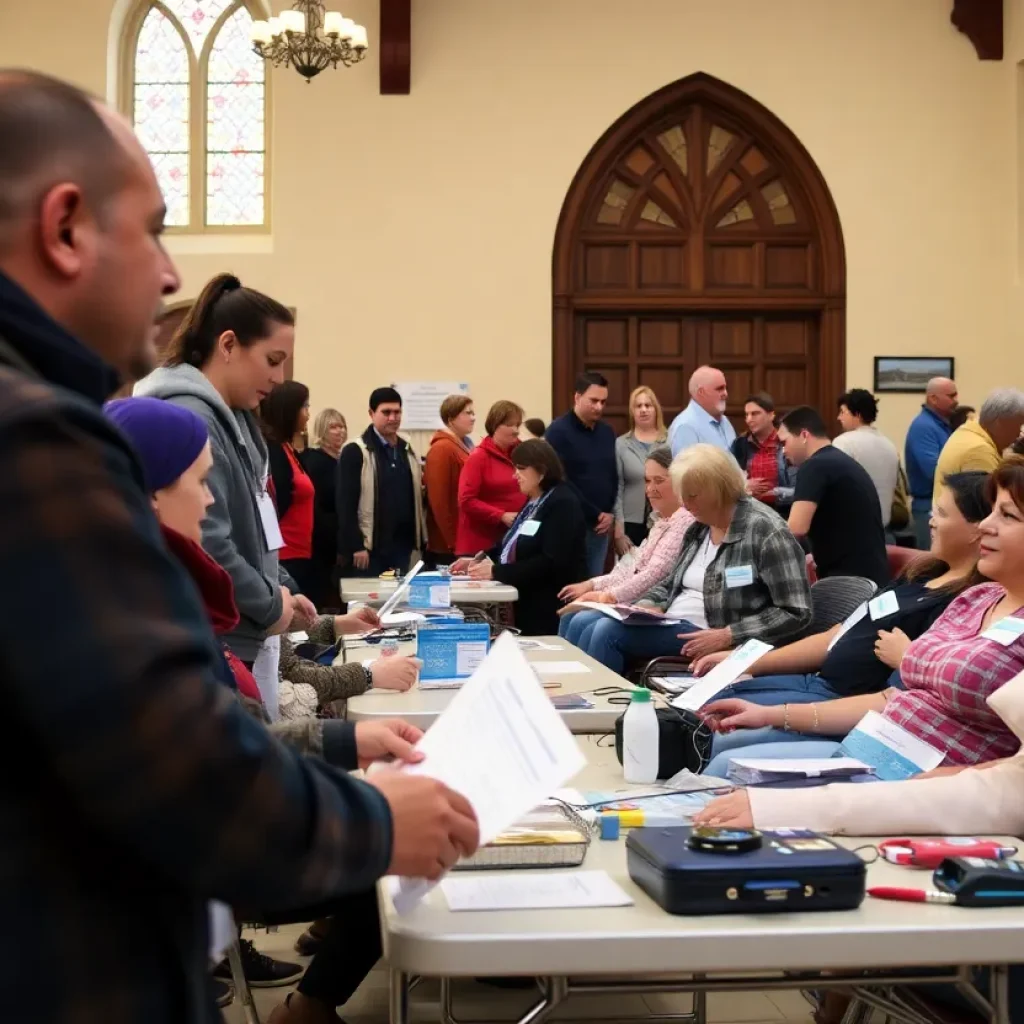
(271, 527)
(400, 590)
(468, 656)
(851, 620)
(809, 768)
(449, 683)
(721, 675)
(299, 637)
(268, 679)
(421, 400)
(527, 643)
(1005, 631)
(673, 684)
(501, 744)
(559, 668)
(490, 890)
(402, 619)
(892, 751)
(883, 605)
(222, 929)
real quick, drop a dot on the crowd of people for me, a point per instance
(185, 532)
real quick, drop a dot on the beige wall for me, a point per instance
(414, 233)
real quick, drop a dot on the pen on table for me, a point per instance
(891, 892)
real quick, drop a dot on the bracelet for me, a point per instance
(785, 717)
(368, 672)
(815, 707)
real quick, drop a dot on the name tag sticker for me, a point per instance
(739, 576)
(1005, 631)
(883, 605)
(851, 620)
(530, 528)
(271, 527)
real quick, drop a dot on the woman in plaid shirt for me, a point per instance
(740, 574)
(948, 673)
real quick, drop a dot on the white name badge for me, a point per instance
(271, 527)
(883, 605)
(739, 576)
(851, 620)
(1005, 631)
(529, 528)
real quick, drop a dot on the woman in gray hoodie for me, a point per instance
(228, 355)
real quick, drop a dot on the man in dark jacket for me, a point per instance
(134, 786)
(586, 446)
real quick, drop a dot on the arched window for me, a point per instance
(197, 95)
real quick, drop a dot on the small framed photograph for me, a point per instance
(909, 375)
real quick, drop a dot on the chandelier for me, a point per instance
(309, 38)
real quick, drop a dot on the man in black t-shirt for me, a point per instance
(835, 504)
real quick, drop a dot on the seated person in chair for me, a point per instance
(740, 574)
(652, 561)
(948, 672)
(829, 665)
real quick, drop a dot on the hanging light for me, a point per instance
(310, 39)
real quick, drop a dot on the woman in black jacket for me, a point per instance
(330, 432)
(545, 548)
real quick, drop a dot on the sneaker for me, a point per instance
(220, 992)
(261, 971)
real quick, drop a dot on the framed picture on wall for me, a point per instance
(909, 375)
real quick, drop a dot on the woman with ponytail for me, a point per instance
(227, 356)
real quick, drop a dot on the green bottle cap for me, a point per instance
(641, 695)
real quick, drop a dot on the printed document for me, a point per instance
(893, 752)
(501, 744)
(721, 675)
(528, 891)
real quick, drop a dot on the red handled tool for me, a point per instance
(930, 853)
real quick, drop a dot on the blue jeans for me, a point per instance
(597, 552)
(613, 644)
(775, 744)
(771, 691)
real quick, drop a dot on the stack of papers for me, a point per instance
(752, 771)
(627, 613)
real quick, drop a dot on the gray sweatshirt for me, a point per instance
(233, 531)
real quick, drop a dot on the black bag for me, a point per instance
(684, 741)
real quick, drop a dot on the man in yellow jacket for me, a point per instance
(979, 445)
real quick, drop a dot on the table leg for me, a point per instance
(999, 995)
(398, 997)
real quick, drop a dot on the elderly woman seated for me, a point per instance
(740, 574)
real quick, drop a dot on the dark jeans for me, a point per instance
(636, 532)
(614, 644)
(771, 691)
(384, 560)
(347, 953)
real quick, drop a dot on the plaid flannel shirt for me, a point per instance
(133, 786)
(775, 605)
(949, 673)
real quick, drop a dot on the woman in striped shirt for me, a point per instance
(948, 673)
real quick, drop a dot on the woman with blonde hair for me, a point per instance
(330, 432)
(740, 574)
(646, 431)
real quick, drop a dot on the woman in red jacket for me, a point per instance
(489, 496)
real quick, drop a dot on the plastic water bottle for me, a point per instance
(640, 739)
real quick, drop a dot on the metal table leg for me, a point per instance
(398, 996)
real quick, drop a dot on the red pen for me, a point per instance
(892, 892)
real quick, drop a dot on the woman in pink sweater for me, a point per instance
(656, 556)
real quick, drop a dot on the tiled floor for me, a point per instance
(479, 1002)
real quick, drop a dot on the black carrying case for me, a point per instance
(793, 870)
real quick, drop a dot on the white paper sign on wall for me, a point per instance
(421, 401)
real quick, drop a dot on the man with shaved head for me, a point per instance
(134, 788)
(703, 421)
(926, 438)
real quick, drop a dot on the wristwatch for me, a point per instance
(368, 672)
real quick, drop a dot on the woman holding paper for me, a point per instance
(859, 655)
(740, 575)
(949, 672)
(544, 548)
(652, 561)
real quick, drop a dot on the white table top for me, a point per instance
(645, 940)
(421, 707)
(377, 591)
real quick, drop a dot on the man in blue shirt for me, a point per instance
(703, 421)
(925, 439)
(586, 447)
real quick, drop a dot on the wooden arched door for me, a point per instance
(699, 230)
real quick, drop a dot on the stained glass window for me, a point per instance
(615, 203)
(235, 128)
(199, 107)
